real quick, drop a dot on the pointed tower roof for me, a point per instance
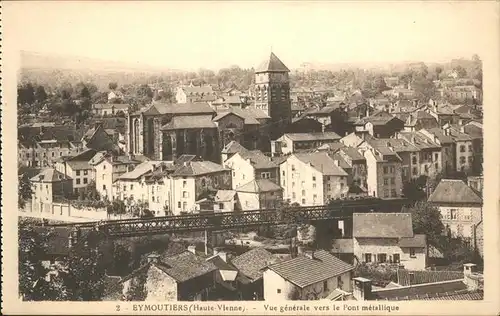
(273, 64)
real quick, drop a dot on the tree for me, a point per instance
(112, 85)
(379, 84)
(24, 191)
(415, 189)
(438, 71)
(424, 88)
(426, 220)
(26, 94)
(461, 72)
(40, 94)
(121, 260)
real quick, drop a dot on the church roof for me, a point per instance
(273, 64)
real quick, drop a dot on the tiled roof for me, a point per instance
(78, 165)
(328, 136)
(399, 145)
(247, 116)
(454, 191)
(417, 241)
(198, 168)
(420, 291)
(422, 276)
(253, 261)
(303, 271)
(224, 195)
(259, 186)
(189, 122)
(440, 135)
(420, 140)
(273, 64)
(49, 175)
(473, 130)
(233, 147)
(221, 264)
(322, 162)
(353, 153)
(178, 109)
(382, 225)
(258, 159)
(342, 163)
(351, 139)
(463, 295)
(117, 107)
(185, 266)
(140, 170)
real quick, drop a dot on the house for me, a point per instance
(226, 201)
(50, 185)
(108, 109)
(388, 238)
(115, 95)
(475, 131)
(419, 120)
(384, 172)
(312, 276)
(322, 115)
(443, 113)
(476, 182)
(251, 165)
(97, 138)
(409, 154)
(192, 94)
(464, 93)
(192, 181)
(460, 207)
(132, 185)
(259, 194)
(312, 179)
(464, 149)
(381, 125)
(400, 93)
(391, 81)
(58, 244)
(448, 147)
(352, 140)
(294, 142)
(305, 125)
(357, 163)
(40, 145)
(181, 277)
(230, 149)
(425, 285)
(227, 277)
(251, 264)
(430, 159)
(78, 168)
(107, 169)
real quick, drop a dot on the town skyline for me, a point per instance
(416, 29)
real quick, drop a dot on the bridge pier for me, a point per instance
(213, 239)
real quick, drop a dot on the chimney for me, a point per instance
(192, 249)
(336, 162)
(221, 253)
(153, 258)
(462, 129)
(309, 254)
(362, 289)
(472, 279)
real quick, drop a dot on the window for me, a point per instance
(104, 187)
(278, 291)
(131, 187)
(293, 195)
(293, 184)
(85, 172)
(124, 188)
(184, 194)
(293, 167)
(283, 173)
(303, 192)
(314, 185)
(265, 175)
(329, 186)
(325, 285)
(382, 257)
(462, 148)
(395, 258)
(77, 181)
(462, 160)
(243, 176)
(393, 180)
(426, 168)
(415, 171)
(392, 169)
(469, 159)
(85, 180)
(368, 257)
(283, 182)
(386, 170)
(386, 193)
(314, 178)
(178, 204)
(221, 206)
(103, 166)
(60, 154)
(341, 185)
(303, 201)
(184, 206)
(470, 148)
(412, 253)
(393, 193)
(315, 197)
(77, 172)
(453, 214)
(436, 156)
(184, 183)
(385, 181)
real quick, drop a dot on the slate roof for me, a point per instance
(248, 117)
(258, 159)
(259, 186)
(322, 162)
(198, 168)
(233, 147)
(382, 225)
(49, 175)
(140, 170)
(189, 122)
(423, 276)
(420, 291)
(440, 135)
(253, 261)
(417, 241)
(185, 266)
(352, 139)
(420, 140)
(353, 153)
(303, 271)
(328, 136)
(399, 145)
(273, 64)
(454, 192)
(79, 165)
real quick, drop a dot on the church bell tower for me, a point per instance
(272, 94)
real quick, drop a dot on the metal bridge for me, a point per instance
(340, 210)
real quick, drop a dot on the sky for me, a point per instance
(210, 34)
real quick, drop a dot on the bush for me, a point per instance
(379, 274)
